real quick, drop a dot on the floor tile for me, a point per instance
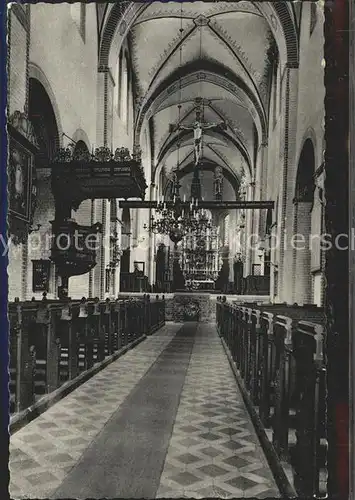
(185, 479)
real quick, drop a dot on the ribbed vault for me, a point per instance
(222, 53)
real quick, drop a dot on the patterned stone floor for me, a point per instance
(213, 451)
(44, 451)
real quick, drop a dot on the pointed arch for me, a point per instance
(35, 72)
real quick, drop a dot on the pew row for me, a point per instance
(278, 355)
(53, 342)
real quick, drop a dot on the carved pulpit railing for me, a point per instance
(100, 175)
(80, 175)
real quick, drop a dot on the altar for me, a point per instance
(190, 306)
(200, 306)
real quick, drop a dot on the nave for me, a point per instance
(175, 148)
(165, 420)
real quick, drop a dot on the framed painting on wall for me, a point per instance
(22, 190)
(20, 181)
(139, 267)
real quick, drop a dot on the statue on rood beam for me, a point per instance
(218, 183)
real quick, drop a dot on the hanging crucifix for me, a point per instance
(198, 127)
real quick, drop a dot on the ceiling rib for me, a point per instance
(152, 17)
(173, 50)
(220, 36)
(220, 75)
(170, 138)
(237, 56)
(220, 156)
(163, 154)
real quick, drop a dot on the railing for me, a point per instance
(280, 360)
(52, 342)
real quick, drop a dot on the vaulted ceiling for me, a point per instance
(221, 52)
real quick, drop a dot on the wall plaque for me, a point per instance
(41, 275)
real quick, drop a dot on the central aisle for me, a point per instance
(128, 456)
(166, 420)
(214, 450)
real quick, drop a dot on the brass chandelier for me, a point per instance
(178, 218)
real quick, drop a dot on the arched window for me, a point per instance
(136, 226)
(111, 269)
(80, 149)
(42, 116)
(118, 89)
(145, 141)
(129, 93)
(226, 229)
(78, 14)
(113, 219)
(305, 182)
(268, 222)
(281, 78)
(275, 87)
(161, 183)
(313, 20)
(83, 20)
(125, 240)
(124, 89)
(126, 221)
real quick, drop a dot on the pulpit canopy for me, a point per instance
(77, 176)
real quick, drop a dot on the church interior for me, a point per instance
(166, 268)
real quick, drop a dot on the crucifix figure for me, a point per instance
(198, 127)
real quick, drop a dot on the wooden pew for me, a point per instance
(51, 341)
(280, 359)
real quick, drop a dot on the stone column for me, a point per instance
(97, 275)
(258, 188)
(105, 86)
(320, 201)
(288, 153)
(118, 268)
(232, 245)
(261, 187)
(151, 240)
(301, 269)
(19, 31)
(91, 273)
(248, 232)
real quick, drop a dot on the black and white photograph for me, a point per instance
(167, 251)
